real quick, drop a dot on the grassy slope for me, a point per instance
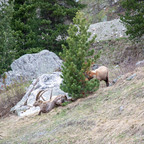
(119, 51)
(111, 115)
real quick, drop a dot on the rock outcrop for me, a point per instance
(46, 82)
(108, 30)
(31, 66)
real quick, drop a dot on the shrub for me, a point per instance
(78, 58)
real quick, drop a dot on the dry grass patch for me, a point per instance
(10, 97)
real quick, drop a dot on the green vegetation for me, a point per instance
(133, 18)
(65, 103)
(31, 26)
(38, 24)
(6, 38)
(77, 59)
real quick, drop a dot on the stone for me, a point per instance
(121, 108)
(95, 66)
(116, 79)
(34, 65)
(108, 30)
(26, 111)
(131, 77)
(139, 63)
(47, 82)
(116, 66)
(31, 66)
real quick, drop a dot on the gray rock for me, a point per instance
(131, 77)
(139, 63)
(108, 30)
(34, 65)
(116, 66)
(46, 82)
(95, 66)
(31, 66)
(25, 110)
(115, 80)
(121, 108)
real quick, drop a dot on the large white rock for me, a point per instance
(48, 82)
(108, 30)
(34, 65)
(31, 66)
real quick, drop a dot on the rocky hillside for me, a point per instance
(108, 30)
(119, 52)
(111, 115)
(102, 10)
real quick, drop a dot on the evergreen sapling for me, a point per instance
(78, 59)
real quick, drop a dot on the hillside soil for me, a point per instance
(119, 52)
(112, 115)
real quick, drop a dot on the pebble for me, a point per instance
(121, 108)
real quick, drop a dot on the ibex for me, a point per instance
(47, 106)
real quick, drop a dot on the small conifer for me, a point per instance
(78, 58)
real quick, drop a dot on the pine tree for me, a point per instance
(38, 23)
(7, 41)
(53, 15)
(78, 58)
(24, 25)
(133, 18)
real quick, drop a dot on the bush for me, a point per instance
(78, 58)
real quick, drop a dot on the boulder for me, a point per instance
(31, 66)
(95, 66)
(108, 30)
(47, 82)
(34, 65)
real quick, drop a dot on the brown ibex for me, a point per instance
(47, 106)
(101, 74)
